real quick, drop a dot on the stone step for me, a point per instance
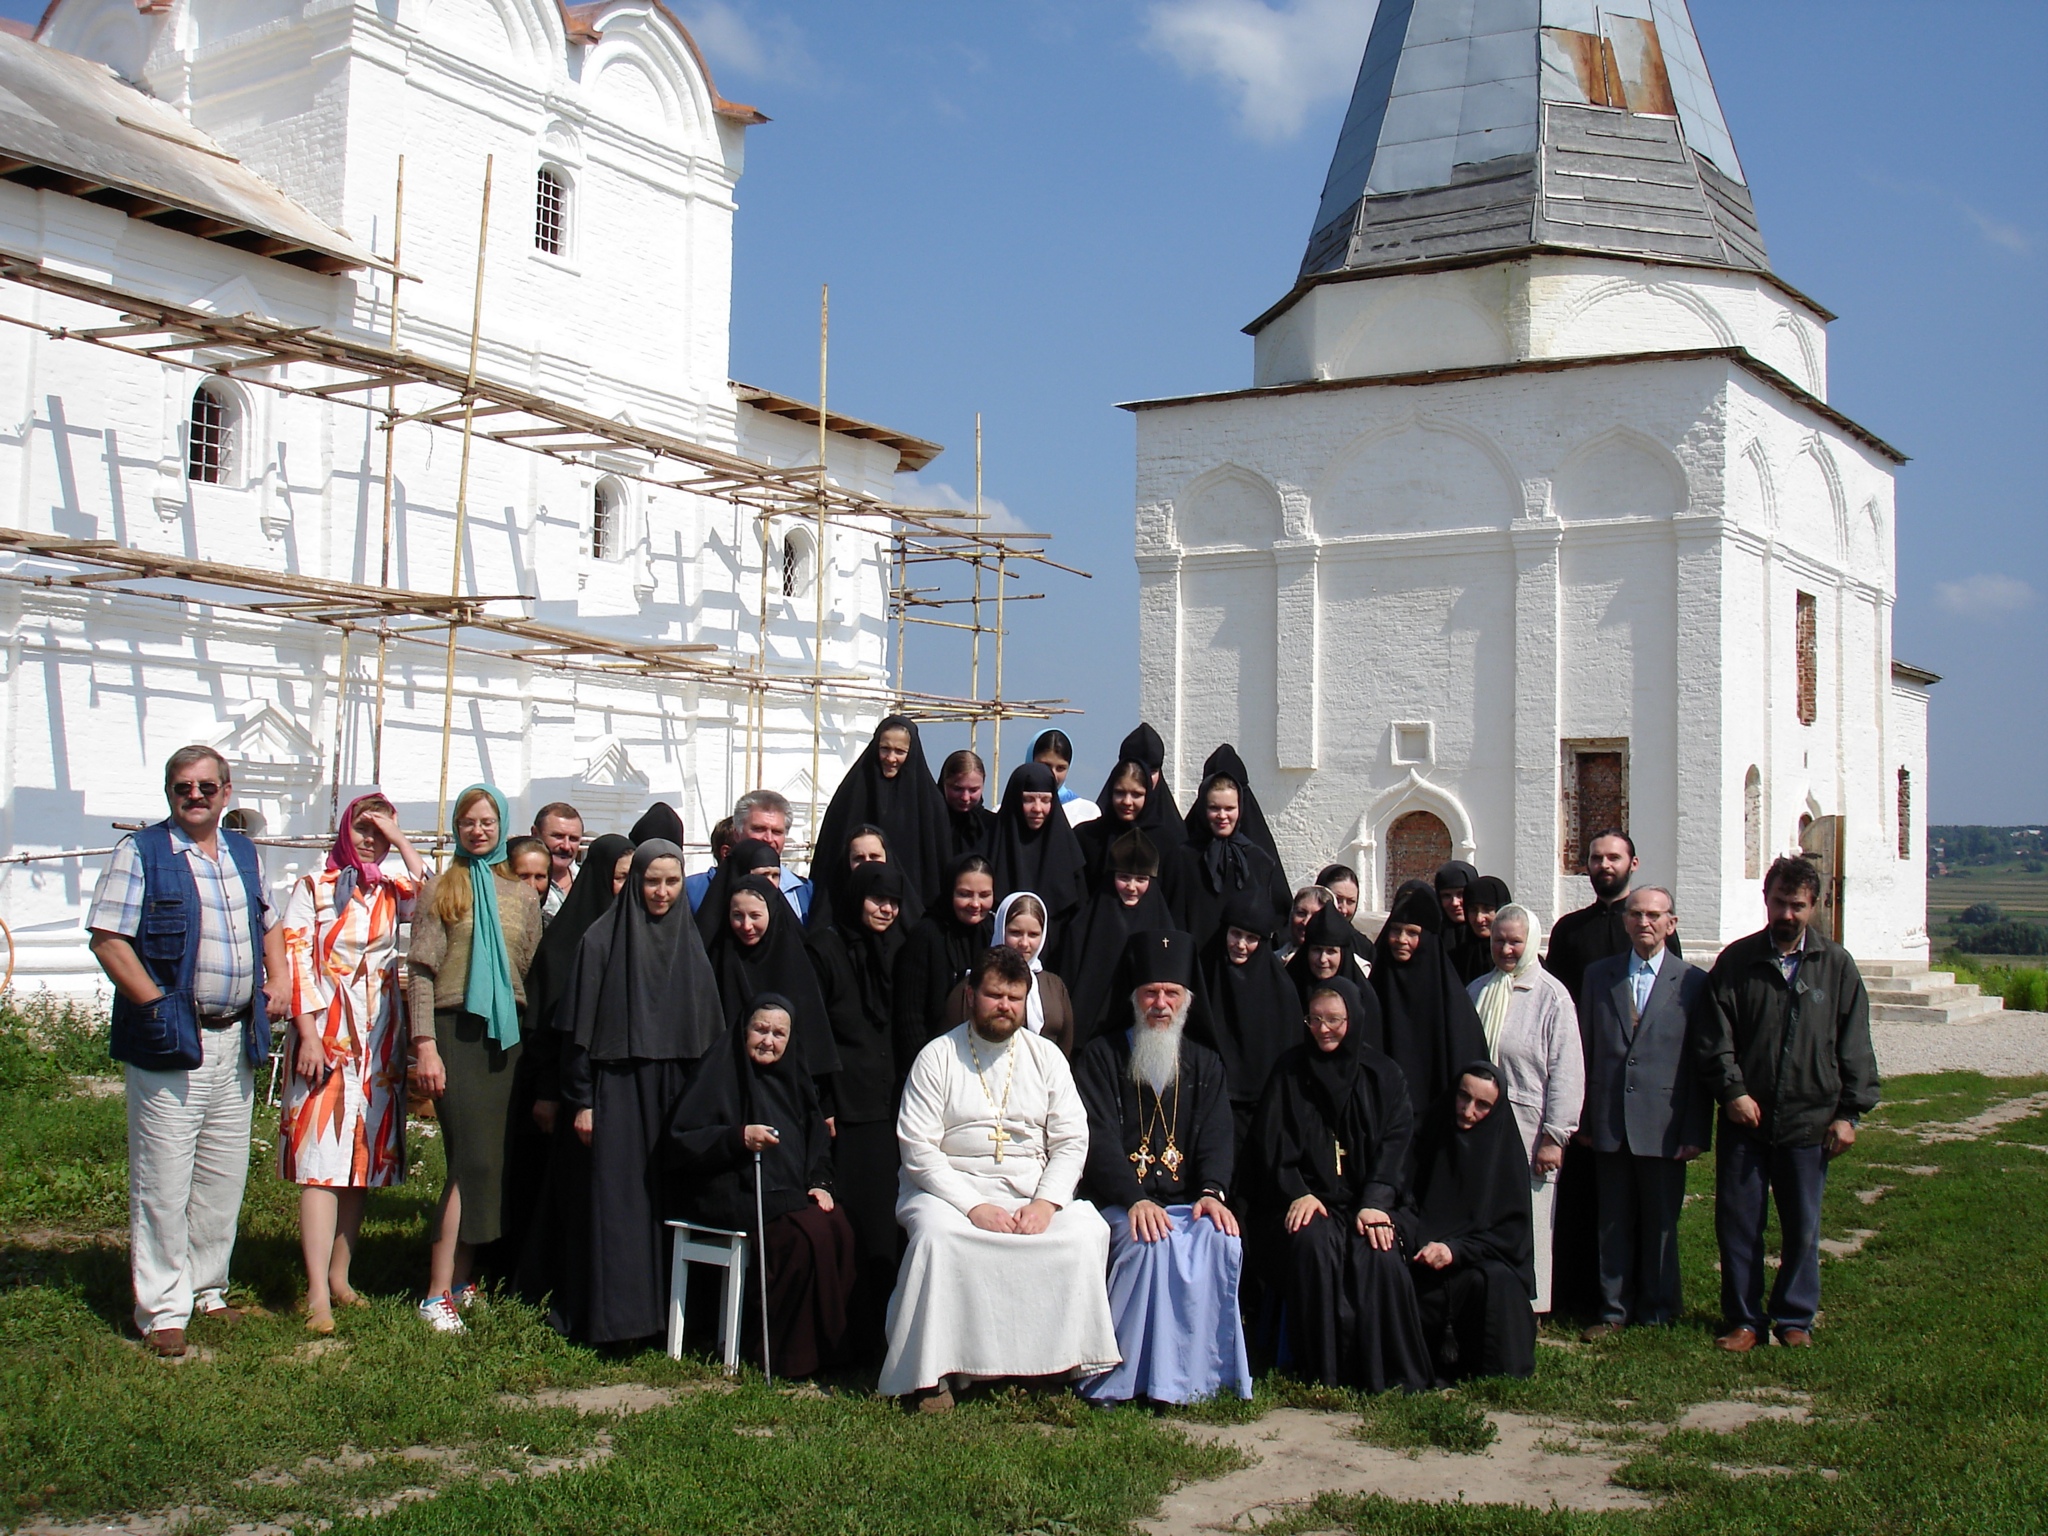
(1926, 997)
(1888, 968)
(1964, 1011)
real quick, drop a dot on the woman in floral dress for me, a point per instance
(343, 1132)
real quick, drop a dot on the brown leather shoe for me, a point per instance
(1796, 1338)
(1599, 1331)
(938, 1400)
(168, 1343)
(224, 1316)
(1737, 1341)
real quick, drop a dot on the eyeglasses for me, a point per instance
(204, 789)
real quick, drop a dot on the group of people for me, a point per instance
(1054, 1090)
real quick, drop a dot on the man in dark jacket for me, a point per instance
(1782, 1041)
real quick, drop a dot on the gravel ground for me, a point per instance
(2009, 1045)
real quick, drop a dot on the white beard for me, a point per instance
(1155, 1053)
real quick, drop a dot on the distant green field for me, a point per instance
(2018, 893)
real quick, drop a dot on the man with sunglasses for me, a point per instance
(182, 928)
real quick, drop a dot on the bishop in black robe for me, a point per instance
(1160, 1157)
(1333, 1136)
(1467, 1230)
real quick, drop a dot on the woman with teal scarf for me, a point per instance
(473, 936)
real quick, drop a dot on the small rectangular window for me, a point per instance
(1806, 636)
(550, 212)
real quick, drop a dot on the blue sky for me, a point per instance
(1038, 208)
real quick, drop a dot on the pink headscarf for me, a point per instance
(345, 855)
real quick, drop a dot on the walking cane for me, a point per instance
(761, 1226)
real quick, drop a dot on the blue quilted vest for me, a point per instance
(164, 1035)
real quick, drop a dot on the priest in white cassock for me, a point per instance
(1161, 1138)
(1004, 1273)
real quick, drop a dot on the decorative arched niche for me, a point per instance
(1812, 508)
(1416, 332)
(1417, 476)
(1369, 846)
(1228, 508)
(512, 37)
(1620, 474)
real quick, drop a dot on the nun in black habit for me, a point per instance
(889, 787)
(1091, 948)
(660, 822)
(1248, 1011)
(1220, 858)
(970, 825)
(829, 878)
(1044, 859)
(1471, 956)
(1144, 746)
(936, 954)
(749, 857)
(753, 1099)
(856, 966)
(1129, 802)
(1466, 1226)
(1333, 1133)
(639, 1010)
(1328, 949)
(1429, 1021)
(760, 948)
(537, 1079)
(1251, 818)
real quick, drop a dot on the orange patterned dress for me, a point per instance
(347, 1131)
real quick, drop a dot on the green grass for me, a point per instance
(1929, 1390)
(2020, 893)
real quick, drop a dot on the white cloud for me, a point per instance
(913, 492)
(735, 44)
(1278, 60)
(1988, 595)
(2009, 237)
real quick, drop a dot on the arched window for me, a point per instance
(551, 211)
(796, 563)
(210, 435)
(1752, 824)
(607, 521)
(1905, 814)
(241, 819)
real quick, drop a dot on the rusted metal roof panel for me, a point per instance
(1609, 105)
(73, 126)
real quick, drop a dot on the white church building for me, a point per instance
(1535, 518)
(242, 157)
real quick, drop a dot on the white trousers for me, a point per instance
(188, 1158)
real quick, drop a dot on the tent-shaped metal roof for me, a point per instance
(1485, 126)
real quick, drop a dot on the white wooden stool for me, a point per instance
(727, 1250)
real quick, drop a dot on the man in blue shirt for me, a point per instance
(763, 815)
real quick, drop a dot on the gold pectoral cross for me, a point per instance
(999, 1136)
(1340, 1155)
(1142, 1159)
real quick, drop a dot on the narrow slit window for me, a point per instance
(1905, 814)
(1807, 636)
(607, 512)
(551, 212)
(792, 567)
(210, 440)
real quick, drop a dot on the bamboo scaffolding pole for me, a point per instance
(818, 557)
(1002, 581)
(390, 472)
(476, 322)
(902, 593)
(340, 723)
(974, 664)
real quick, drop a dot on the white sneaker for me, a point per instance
(440, 1314)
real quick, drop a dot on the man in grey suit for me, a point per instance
(1646, 1116)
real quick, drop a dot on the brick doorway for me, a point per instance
(1418, 844)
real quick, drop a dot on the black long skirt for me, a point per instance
(810, 1278)
(1575, 1236)
(865, 1161)
(1476, 1319)
(601, 1249)
(1351, 1315)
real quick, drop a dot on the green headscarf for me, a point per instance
(490, 996)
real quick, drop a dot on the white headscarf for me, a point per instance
(1498, 990)
(1034, 1004)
